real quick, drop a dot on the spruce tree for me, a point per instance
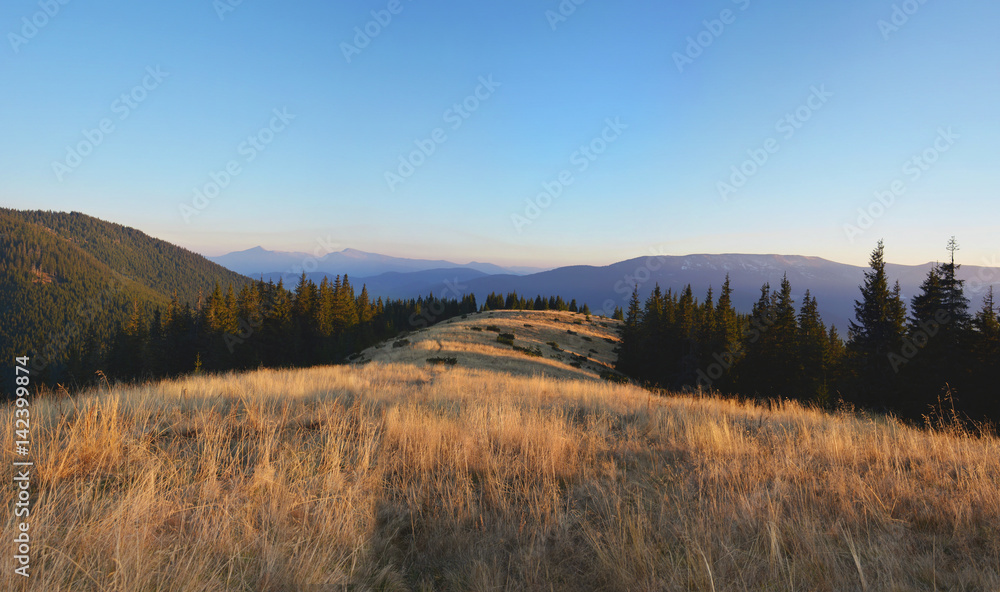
(985, 398)
(756, 367)
(936, 353)
(954, 300)
(726, 319)
(629, 352)
(813, 346)
(876, 332)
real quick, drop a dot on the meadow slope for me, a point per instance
(398, 474)
(565, 345)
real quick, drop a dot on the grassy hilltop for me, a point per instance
(550, 343)
(503, 471)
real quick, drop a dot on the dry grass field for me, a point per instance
(513, 473)
(472, 342)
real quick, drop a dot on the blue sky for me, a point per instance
(590, 133)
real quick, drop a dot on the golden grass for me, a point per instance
(397, 476)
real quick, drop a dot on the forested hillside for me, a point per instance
(69, 281)
(159, 265)
(79, 295)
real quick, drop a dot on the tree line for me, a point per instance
(893, 359)
(265, 324)
(261, 324)
(514, 301)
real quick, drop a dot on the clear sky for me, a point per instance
(513, 131)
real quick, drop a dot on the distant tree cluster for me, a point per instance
(262, 324)
(905, 362)
(677, 341)
(891, 361)
(512, 301)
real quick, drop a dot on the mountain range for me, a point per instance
(67, 276)
(260, 261)
(605, 287)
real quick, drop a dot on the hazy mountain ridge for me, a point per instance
(834, 284)
(259, 261)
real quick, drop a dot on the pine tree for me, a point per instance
(212, 314)
(783, 333)
(686, 314)
(324, 308)
(755, 369)
(930, 302)
(936, 353)
(279, 331)
(954, 300)
(986, 322)
(629, 353)
(812, 347)
(876, 332)
(230, 312)
(985, 399)
(348, 302)
(364, 306)
(726, 319)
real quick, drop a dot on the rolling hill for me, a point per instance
(561, 345)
